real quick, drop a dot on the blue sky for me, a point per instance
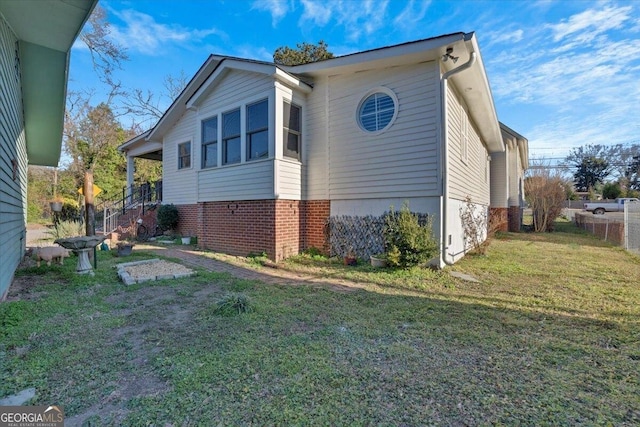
(562, 73)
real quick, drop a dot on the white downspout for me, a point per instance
(444, 236)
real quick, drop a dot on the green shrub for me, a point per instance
(407, 241)
(313, 252)
(167, 217)
(233, 304)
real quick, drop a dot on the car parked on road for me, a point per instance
(599, 208)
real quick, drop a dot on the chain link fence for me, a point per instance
(607, 229)
(632, 227)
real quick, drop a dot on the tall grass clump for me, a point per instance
(232, 305)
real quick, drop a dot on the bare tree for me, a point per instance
(545, 192)
(147, 106)
(107, 55)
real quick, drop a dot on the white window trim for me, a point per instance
(241, 135)
(246, 132)
(299, 105)
(218, 135)
(178, 168)
(386, 91)
(228, 107)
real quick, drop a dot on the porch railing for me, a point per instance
(138, 196)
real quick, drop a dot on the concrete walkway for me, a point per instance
(275, 276)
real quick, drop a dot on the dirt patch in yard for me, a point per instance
(140, 318)
(148, 313)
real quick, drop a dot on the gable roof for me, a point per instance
(473, 83)
(45, 31)
(205, 80)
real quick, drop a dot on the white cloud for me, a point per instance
(591, 22)
(277, 8)
(357, 17)
(315, 12)
(507, 37)
(252, 52)
(141, 33)
(579, 75)
(412, 14)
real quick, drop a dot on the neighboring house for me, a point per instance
(35, 39)
(507, 180)
(258, 156)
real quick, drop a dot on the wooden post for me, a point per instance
(89, 208)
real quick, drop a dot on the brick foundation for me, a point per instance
(188, 216)
(515, 218)
(280, 228)
(499, 219)
(316, 214)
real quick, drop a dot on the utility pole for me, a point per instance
(89, 208)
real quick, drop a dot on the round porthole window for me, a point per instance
(377, 110)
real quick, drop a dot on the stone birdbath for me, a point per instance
(82, 245)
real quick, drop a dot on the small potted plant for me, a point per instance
(124, 248)
(350, 258)
(379, 260)
(56, 204)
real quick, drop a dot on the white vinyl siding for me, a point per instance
(466, 178)
(514, 176)
(315, 147)
(289, 185)
(403, 159)
(250, 181)
(13, 191)
(244, 181)
(179, 185)
(499, 188)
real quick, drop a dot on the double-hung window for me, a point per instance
(210, 142)
(184, 155)
(231, 137)
(258, 130)
(291, 127)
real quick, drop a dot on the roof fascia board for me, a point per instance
(291, 81)
(229, 64)
(335, 65)
(484, 112)
(177, 107)
(134, 141)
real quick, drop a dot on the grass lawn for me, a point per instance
(550, 336)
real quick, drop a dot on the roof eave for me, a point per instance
(45, 32)
(474, 87)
